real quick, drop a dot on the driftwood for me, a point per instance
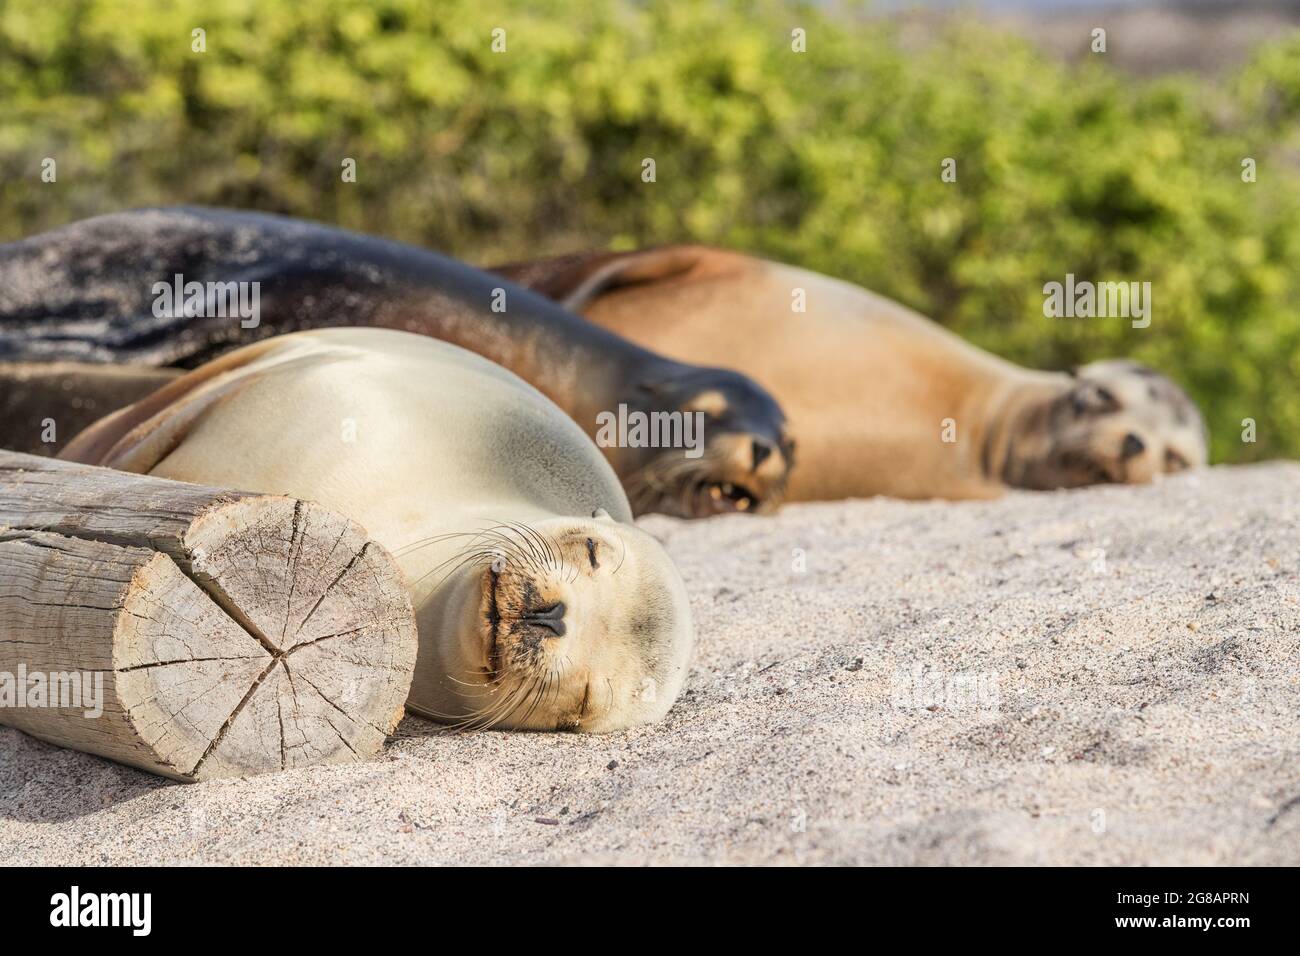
(232, 633)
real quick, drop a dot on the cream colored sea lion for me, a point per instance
(880, 399)
(538, 604)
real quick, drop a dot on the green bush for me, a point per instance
(829, 158)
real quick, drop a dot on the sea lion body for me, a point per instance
(506, 520)
(124, 288)
(43, 405)
(880, 399)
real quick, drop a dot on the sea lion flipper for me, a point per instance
(577, 280)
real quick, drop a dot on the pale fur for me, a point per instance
(417, 439)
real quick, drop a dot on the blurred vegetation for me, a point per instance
(829, 159)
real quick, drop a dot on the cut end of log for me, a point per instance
(235, 633)
(312, 658)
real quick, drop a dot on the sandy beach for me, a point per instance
(1103, 676)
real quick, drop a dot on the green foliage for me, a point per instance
(829, 159)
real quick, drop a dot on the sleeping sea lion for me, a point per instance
(539, 604)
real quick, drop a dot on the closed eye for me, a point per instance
(1174, 461)
(1094, 401)
(591, 554)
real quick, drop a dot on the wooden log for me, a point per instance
(233, 633)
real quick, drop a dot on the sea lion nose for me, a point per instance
(550, 617)
(761, 450)
(1133, 445)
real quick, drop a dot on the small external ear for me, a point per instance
(600, 514)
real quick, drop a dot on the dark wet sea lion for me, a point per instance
(95, 291)
(45, 404)
(880, 399)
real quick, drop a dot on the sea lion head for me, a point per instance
(563, 624)
(747, 453)
(740, 456)
(1117, 421)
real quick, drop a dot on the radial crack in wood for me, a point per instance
(232, 633)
